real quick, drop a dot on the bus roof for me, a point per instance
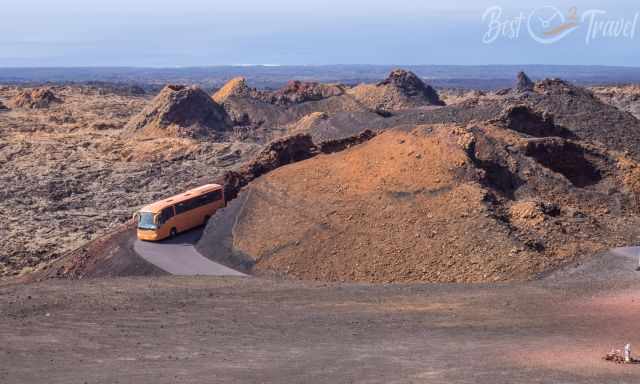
(162, 204)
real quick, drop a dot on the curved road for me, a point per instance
(178, 256)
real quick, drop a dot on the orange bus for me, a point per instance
(168, 217)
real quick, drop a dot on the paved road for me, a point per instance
(628, 252)
(178, 256)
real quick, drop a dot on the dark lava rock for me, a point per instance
(296, 92)
(524, 119)
(588, 118)
(279, 152)
(524, 83)
(332, 146)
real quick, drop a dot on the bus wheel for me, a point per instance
(173, 232)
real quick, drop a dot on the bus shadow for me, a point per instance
(190, 237)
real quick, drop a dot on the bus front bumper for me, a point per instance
(148, 235)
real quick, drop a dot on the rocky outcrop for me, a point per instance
(333, 146)
(37, 98)
(181, 111)
(573, 161)
(296, 92)
(236, 87)
(308, 122)
(524, 83)
(524, 119)
(279, 152)
(556, 86)
(3, 107)
(412, 86)
(287, 150)
(401, 90)
(578, 110)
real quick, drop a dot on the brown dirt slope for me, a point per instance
(445, 203)
(180, 111)
(110, 255)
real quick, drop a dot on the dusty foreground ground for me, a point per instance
(196, 330)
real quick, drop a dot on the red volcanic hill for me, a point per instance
(502, 199)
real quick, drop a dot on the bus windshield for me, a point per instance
(146, 220)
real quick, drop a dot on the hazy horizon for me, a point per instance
(199, 33)
(239, 66)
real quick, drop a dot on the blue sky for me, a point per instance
(212, 32)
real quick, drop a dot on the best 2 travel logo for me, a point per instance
(548, 25)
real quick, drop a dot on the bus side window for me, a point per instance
(181, 208)
(166, 214)
(216, 195)
(202, 200)
(212, 197)
(186, 206)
